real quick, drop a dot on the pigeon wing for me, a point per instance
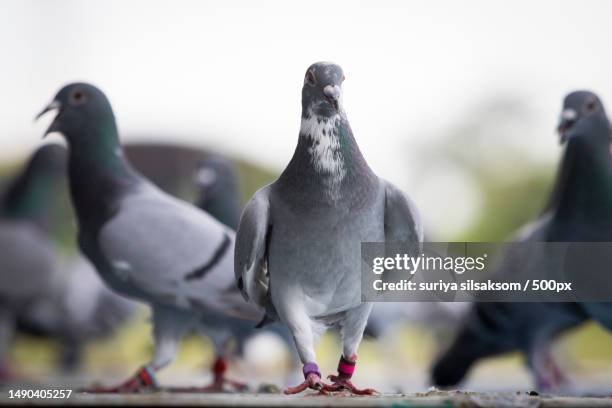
(250, 258)
(402, 220)
(169, 252)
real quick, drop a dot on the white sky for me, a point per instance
(228, 74)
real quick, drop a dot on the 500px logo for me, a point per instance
(410, 264)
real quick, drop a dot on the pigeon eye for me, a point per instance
(591, 106)
(77, 98)
(343, 78)
(310, 79)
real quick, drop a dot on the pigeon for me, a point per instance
(144, 243)
(74, 307)
(491, 329)
(170, 166)
(298, 242)
(27, 257)
(218, 193)
(79, 309)
(579, 210)
(28, 196)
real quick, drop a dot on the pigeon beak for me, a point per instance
(566, 121)
(332, 93)
(54, 105)
(205, 177)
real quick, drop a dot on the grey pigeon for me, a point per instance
(78, 309)
(218, 193)
(144, 243)
(73, 307)
(27, 257)
(298, 243)
(579, 210)
(492, 329)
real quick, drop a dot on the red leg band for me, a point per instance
(146, 378)
(220, 366)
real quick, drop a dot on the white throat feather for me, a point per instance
(324, 149)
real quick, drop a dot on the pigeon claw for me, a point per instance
(220, 382)
(549, 377)
(142, 381)
(312, 381)
(342, 384)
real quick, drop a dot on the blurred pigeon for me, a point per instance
(491, 329)
(27, 257)
(28, 196)
(144, 243)
(170, 166)
(218, 193)
(78, 309)
(298, 243)
(579, 210)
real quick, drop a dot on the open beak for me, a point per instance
(54, 105)
(566, 121)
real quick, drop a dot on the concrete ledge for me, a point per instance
(430, 399)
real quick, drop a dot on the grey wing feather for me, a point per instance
(156, 242)
(250, 260)
(402, 220)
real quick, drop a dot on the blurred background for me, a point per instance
(454, 102)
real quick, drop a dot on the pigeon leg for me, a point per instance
(70, 354)
(168, 329)
(7, 373)
(549, 377)
(342, 381)
(312, 380)
(352, 328)
(6, 333)
(300, 326)
(142, 381)
(219, 369)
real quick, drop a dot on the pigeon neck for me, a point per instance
(99, 174)
(28, 198)
(583, 189)
(327, 158)
(222, 204)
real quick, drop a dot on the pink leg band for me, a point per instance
(346, 368)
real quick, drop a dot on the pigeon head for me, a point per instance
(322, 91)
(218, 191)
(213, 171)
(30, 193)
(50, 159)
(582, 113)
(80, 108)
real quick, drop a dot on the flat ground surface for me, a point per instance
(429, 399)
